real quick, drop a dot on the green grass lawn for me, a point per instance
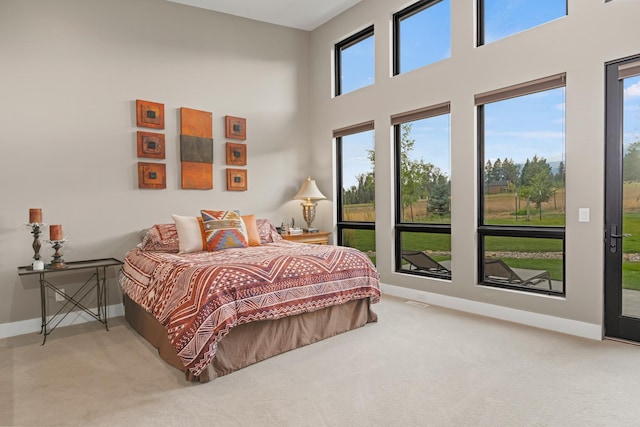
(548, 220)
(365, 241)
(631, 275)
(631, 244)
(631, 225)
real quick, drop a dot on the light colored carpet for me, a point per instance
(418, 366)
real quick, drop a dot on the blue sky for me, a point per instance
(517, 128)
(358, 65)
(631, 110)
(432, 138)
(355, 160)
(506, 17)
(425, 37)
(522, 127)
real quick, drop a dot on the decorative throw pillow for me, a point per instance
(161, 238)
(223, 230)
(267, 231)
(252, 230)
(190, 233)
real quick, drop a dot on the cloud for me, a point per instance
(633, 90)
(360, 159)
(631, 136)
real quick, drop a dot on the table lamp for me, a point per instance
(309, 193)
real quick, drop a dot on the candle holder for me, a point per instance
(35, 228)
(57, 263)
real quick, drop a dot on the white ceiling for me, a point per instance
(301, 14)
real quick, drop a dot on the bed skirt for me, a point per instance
(252, 342)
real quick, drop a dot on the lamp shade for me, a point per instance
(309, 191)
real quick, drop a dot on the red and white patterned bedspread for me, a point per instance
(200, 296)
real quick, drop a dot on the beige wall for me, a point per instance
(579, 44)
(70, 72)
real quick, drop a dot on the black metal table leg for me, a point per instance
(43, 308)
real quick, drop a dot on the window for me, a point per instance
(498, 19)
(354, 62)
(421, 35)
(356, 187)
(522, 186)
(423, 191)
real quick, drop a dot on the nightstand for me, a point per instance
(317, 238)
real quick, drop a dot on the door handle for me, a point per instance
(614, 236)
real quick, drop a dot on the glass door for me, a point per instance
(622, 200)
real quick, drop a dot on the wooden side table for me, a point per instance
(96, 282)
(317, 238)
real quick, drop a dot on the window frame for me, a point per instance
(497, 230)
(401, 227)
(337, 51)
(341, 223)
(407, 12)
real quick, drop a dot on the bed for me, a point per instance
(210, 313)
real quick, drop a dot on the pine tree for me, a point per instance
(439, 198)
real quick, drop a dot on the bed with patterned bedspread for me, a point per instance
(200, 297)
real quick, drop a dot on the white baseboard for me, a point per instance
(542, 321)
(74, 318)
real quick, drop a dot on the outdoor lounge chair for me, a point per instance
(419, 260)
(497, 270)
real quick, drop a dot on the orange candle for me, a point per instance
(35, 216)
(55, 232)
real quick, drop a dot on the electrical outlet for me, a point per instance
(60, 298)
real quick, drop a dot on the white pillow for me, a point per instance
(190, 233)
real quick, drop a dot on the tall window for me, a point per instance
(354, 62)
(423, 191)
(498, 19)
(356, 187)
(522, 192)
(421, 35)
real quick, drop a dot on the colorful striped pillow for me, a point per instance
(223, 230)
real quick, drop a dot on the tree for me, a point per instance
(501, 170)
(497, 173)
(541, 187)
(412, 173)
(536, 181)
(362, 193)
(510, 171)
(532, 168)
(488, 174)
(418, 179)
(559, 178)
(631, 163)
(439, 197)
